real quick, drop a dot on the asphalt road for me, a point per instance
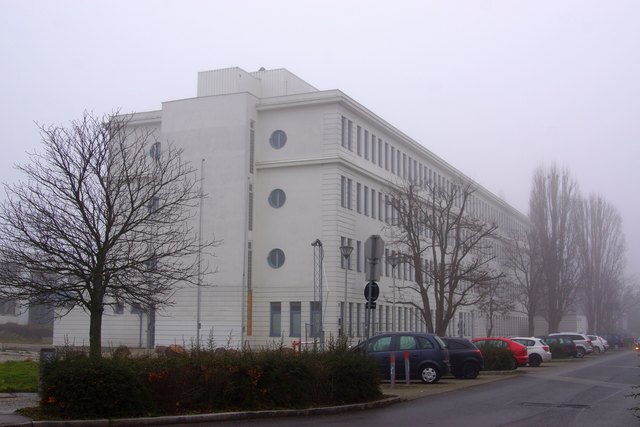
(594, 391)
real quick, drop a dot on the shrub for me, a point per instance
(80, 387)
(498, 359)
(207, 381)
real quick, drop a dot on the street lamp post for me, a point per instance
(346, 253)
(394, 260)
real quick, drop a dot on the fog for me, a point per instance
(496, 88)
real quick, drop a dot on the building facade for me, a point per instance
(291, 174)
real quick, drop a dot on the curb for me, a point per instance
(206, 418)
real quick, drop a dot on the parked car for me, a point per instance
(537, 350)
(518, 350)
(614, 340)
(465, 358)
(599, 344)
(564, 344)
(427, 354)
(583, 343)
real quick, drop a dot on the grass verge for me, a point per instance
(19, 377)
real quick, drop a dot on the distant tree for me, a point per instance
(524, 270)
(601, 250)
(496, 298)
(104, 216)
(448, 246)
(551, 212)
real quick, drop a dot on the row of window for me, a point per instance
(383, 319)
(402, 269)
(312, 329)
(390, 158)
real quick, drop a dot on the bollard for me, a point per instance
(392, 367)
(407, 378)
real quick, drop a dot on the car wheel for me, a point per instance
(429, 374)
(514, 364)
(535, 360)
(580, 352)
(471, 370)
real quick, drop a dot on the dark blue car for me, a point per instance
(427, 354)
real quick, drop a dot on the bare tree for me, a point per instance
(601, 258)
(525, 272)
(551, 206)
(103, 217)
(448, 247)
(495, 299)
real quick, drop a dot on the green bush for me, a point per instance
(207, 381)
(80, 387)
(498, 359)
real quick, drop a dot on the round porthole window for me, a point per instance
(276, 258)
(277, 198)
(278, 139)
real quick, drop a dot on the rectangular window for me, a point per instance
(373, 148)
(350, 319)
(366, 144)
(349, 137)
(379, 152)
(398, 164)
(386, 208)
(393, 158)
(373, 203)
(380, 206)
(410, 172)
(350, 243)
(343, 191)
(249, 265)
(359, 256)
(343, 242)
(252, 145)
(250, 213)
(295, 319)
(349, 192)
(359, 141)
(358, 197)
(343, 132)
(366, 200)
(386, 156)
(386, 264)
(415, 170)
(314, 319)
(118, 308)
(358, 310)
(275, 323)
(404, 166)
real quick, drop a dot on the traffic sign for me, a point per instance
(371, 291)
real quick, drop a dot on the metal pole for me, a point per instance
(199, 291)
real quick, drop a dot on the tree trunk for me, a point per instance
(531, 321)
(95, 332)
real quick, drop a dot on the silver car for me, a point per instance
(537, 350)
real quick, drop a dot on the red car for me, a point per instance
(518, 350)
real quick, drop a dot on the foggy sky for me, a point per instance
(496, 88)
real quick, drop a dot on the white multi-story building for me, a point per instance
(291, 174)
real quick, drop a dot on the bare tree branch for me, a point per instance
(104, 215)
